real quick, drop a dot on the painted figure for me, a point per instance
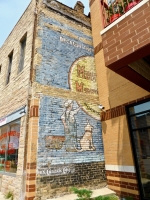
(70, 126)
(86, 143)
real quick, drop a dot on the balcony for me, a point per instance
(115, 9)
(126, 39)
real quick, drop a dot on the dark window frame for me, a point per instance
(23, 43)
(10, 60)
(128, 115)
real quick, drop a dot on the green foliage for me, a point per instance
(99, 198)
(9, 195)
(126, 2)
(148, 176)
(129, 198)
(114, 8)
(82, 194)
(112, 197)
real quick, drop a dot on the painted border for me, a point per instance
(120, 168)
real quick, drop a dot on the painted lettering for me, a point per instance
(79, 86)
(75, 44)
(82, 73)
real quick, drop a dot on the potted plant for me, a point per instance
(128, 4)
(114, 11)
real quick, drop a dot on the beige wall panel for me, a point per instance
(114, 90)
(116, 139)
(96, 22)
(122, 90)
(102, 79)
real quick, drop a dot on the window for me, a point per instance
(10, 58)
(139, 120)
(9, 144)
(22, 54)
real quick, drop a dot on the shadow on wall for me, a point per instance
(104, 127)
(118, 89)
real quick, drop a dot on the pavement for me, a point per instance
(96, 193)
(2, 196)
(103, 192)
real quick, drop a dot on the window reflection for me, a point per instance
(9, 144)
(140, 123)
(141, 120)
(3, 139)
(139, 108)
(142, 144)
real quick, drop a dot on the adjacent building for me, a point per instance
(121, 39)
(50, 129)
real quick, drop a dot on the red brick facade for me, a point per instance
(119, 110)
(125, 181)
(126, 37)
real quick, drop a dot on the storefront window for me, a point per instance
(3, 140)
(9, 144)
(139, 116)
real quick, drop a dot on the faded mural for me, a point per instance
(67, 133)
(69, 128)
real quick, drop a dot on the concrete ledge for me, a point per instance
(103, 192)
(2, 196)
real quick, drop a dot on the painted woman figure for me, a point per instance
(70, 126)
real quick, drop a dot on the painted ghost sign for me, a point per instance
(78, 135)
(83, 79)
(69, 125)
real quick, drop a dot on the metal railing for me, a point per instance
(114, 9)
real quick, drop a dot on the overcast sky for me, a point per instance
(11, 11)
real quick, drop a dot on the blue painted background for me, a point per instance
(50, 123)
(57, 57)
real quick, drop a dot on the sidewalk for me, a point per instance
(2, 197)
(96, 193)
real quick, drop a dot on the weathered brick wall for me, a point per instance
(65, 75)
(15, 94)
(128, 36)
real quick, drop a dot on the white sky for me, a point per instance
(11, 11)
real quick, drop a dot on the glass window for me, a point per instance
(140, 120)
(142, 147)
(9, 144)
(22, 54)
(3, 139)
(10, 58)
(139, 108)
(140, 132)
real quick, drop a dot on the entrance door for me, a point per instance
(139, 120)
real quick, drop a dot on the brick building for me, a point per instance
(50, 89)
(50, 129)
(121, 39)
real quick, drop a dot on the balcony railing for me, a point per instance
(115, 9)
